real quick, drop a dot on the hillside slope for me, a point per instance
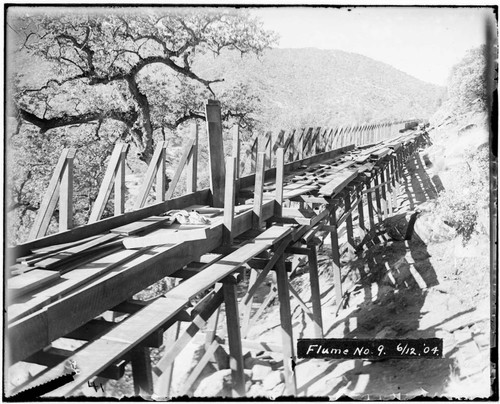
(323, 87)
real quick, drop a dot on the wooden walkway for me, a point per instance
(60, 285)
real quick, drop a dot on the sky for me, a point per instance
(424, 42)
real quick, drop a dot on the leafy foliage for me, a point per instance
(467, 82)
(88, 79)
(460, 206)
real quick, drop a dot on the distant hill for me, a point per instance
(323, 87)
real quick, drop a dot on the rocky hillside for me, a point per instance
(323, 87)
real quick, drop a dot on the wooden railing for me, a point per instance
(297, 144)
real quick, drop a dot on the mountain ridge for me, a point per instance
(300, 86)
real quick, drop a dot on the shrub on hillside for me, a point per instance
(460, 205)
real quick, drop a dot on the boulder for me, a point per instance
(218, 384)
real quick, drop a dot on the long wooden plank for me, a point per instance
(65, 255)
(69, 282)
(30, 281)
(336, 185)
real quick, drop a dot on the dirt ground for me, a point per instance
(431, 286)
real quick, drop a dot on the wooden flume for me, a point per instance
(305, 186)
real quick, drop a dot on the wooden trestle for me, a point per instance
(63, 283)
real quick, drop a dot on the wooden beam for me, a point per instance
(182, 162)
(66, 195)
(315, 291)
(141, 371)
(49, 201)
(119, 185)
(229, 200)
(216, 151)
(147, 183)
(337, 278)
(161, 180)
(280, 173)
(210, 304)
(258, 190)
(192, 163)
(236, 152)
(234, 340)
(286, 327)
(78, 233)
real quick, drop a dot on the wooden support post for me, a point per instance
(384, 193)
(268, 150)
(291, 147)
(315, 291)
(259, 190)
(188, 149)
(280, 175)
(66, 195)
(192, 163)
(119, 185)
(247, 304)
(377, 197)
(254, 150)
(234, 340)
(390, 195)
(336, 257)
(216, 152)
(113, 173)
(50, 198)
(141, 371)
(227, 237)
(236, 150)
(286, 327)
(361, 213)
(161, 183)
(369, 201)
(348, 221)
(143, 194)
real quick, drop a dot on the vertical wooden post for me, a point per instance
(119, 185)
(383, 191)
(390, 196)
(348, 221)
(315, 291)
(268, 150)
(369, 201)
(66, 194)
(377, 195)
(361, 213)
(216, 152)
(280, 175)
(160, 177)
(236, 150)
(253, 157)
(234, 340)
(259, 190)
(286, 327)
(247, 304)
(336, 257)
(291, 147)
(141, 371)
(229, 201)
(192, 163)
